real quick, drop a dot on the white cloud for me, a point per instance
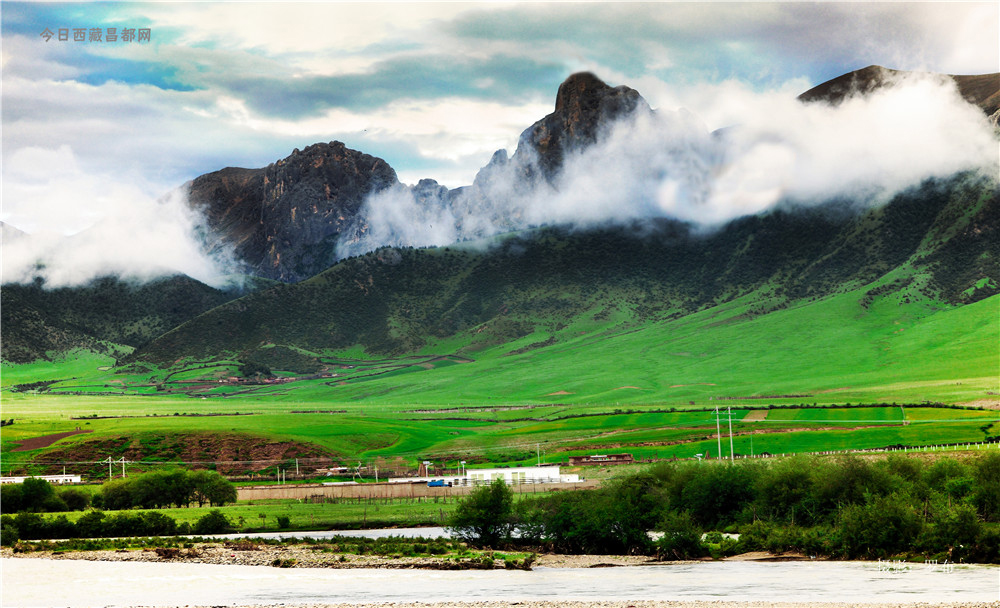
(669, 164)
(86, 225)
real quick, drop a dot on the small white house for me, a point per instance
(54, 479)
(513, 476)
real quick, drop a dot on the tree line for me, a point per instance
(847, 507)
(155, 490)
(170, 488)
(98, 524)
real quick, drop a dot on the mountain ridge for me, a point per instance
(294, 218)
(397, 301)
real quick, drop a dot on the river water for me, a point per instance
(69, 583)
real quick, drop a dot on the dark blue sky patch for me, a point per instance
(99, 70)
(508, 79)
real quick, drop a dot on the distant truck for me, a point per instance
(438, 483)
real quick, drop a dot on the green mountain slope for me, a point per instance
(932, 249)
(107, 316)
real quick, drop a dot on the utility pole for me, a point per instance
(718, 431)
(538, 454)
(109, 468)
(296, 467)
(730, 411)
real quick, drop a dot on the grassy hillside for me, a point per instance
(108, 316)
(936, 244)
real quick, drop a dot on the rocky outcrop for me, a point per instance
(284, 220)
(584, 105)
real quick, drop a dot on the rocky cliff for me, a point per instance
(284, 220)
(584, 105)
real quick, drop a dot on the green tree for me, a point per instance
(719, 492)
(213, 522)
(91, 525)
(785, 491)
(116, 495)
(12, 498)
(484, 517)
(35, 493)
(75, 500)
(681, 537)
(882, 527)
(211, 487)
(986, 495)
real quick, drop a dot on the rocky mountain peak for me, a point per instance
(284, 220)
(584, 105)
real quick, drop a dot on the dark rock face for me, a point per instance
(284, 219)
(584, 104)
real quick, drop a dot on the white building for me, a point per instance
(512, 476)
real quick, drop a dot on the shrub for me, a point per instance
(9, 535)
(681, 537)
(91, 525)
(880, 528)
(213, 522)
(158, 524)
(483, 518)
(75, 500)
(283, 521)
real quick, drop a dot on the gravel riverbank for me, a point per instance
(307, 556)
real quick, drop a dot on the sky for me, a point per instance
(96, 133)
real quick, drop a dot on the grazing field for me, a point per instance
(793, 380)
(262, 436)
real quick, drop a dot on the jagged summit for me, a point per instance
(296, 217)
(284, 219)
(584, 103)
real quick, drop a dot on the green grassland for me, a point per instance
(343, 513)
(650, 391)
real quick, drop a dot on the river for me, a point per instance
(72, 583)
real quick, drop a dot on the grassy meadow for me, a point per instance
(791, 380)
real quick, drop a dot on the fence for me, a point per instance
(389, 490)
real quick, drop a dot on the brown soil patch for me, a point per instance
(756, 415)
(990, 404)
(230, 453)
(558, 393)
(36, 443)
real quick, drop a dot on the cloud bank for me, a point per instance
(672, 164)
(98, 226)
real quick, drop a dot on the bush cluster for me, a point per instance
(39, 496)
(160, 489)
(846, 507)
(97, 524)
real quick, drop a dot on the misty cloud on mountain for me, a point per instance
(101, 227)
(672, 164)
